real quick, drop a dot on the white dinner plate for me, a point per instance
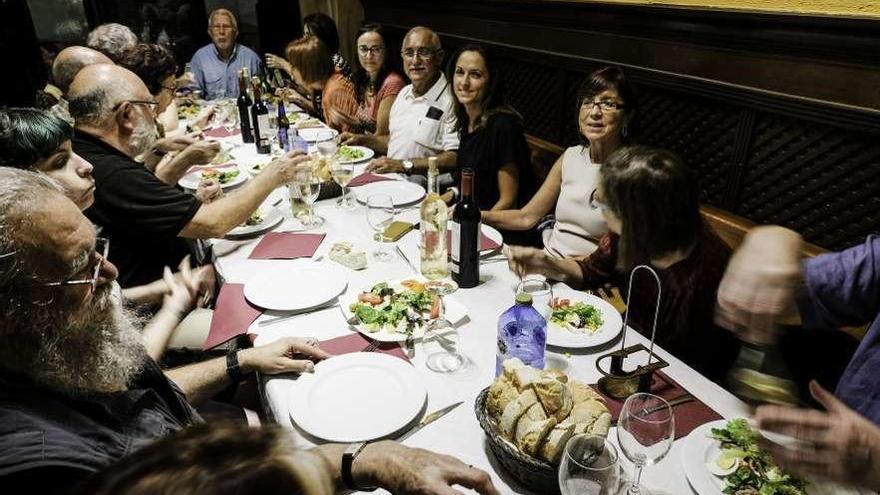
(296, 286)
(191, 181)
(699, 448)
(455, 313)
(367, 154)
(491, 233)
(255, 168)
(269, 220)
(357, 397)
(612, 323)
(317, 134)
(402, 192)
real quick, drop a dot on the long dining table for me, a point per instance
(457, 433)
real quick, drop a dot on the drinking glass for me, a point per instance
(441, 343)
(342, 174)
(589, 466)
(645, 431)
(230, 120)
(309, 187)
(380, 214)
(541, 293)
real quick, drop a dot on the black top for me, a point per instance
(499, 142)
(52, 441)
(140, 214)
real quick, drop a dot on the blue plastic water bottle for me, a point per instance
(297, 142)
(522, 333)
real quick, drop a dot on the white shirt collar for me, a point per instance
(434, 93)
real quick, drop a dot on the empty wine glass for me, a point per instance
(309, 186)
(541, 292)
(342, 174)
(589, 466)
(645, 432)
(441, 343)
(380, 214)
(230, 119)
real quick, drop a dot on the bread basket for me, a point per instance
(329, 189)
(532, 473)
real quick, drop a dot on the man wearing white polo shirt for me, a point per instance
(422, 118)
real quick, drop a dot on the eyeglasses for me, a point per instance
(222, 27)
(364, 49)
(604, 105)
(596, 204)
(102, 247)
(421, 52)
(154, 106)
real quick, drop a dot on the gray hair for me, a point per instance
(112, 39)
(95, 106)
(227, 13)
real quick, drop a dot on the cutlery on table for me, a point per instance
(430, 418)
(405, 259)
(681, 399)
(372, 346)
(265, 323)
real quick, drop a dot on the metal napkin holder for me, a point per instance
(616, 382)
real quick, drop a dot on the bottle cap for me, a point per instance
(524, 298)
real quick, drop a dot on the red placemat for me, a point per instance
(486, 244)
(367, 178)
(286, 246)
(221, 132)
(688, 416)
(232, 316)
(356, 343)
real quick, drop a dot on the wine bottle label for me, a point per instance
(455, 248)
(263, 124)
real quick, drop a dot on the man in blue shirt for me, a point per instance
(215, 66)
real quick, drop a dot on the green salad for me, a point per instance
(222, 177)
(753, 470)
(347, 153)
(578, 317)
(399, 310)
(256, 218)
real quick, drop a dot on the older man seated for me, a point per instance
(65, 67)
(112, 39)
(422, 119)
(147, 220)
(215, 66)
(77, 389)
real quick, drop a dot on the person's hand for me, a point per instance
(838, 444)
(385, 165)
(276, 62)
(209, 190)
(182, 290)
(287, 355)
(177, 143)
(339, 120)
(199, 152)
(405, 470)
(203, 118)
(760, 283)
(527, 260)
(293, 96)
(286, 167)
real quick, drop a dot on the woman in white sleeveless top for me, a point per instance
(606, 106)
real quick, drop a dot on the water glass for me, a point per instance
(541, 292)
(309, 187)
(589, 466)
(380, 214)
(342, 174)
(441, 343)
(645, 432)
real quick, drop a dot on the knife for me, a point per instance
(430, 418)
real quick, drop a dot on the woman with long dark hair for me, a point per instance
(376, 79)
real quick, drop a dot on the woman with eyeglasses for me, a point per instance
(650, 201)
(36, 140)
(376, 81)
(606, 106)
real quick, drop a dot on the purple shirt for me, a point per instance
(843, 289)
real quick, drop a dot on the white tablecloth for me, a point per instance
(458, 433)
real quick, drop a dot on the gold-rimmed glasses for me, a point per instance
(102, 248)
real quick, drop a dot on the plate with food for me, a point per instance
(394, 311)
(259, 222)
(353, 154)
(317, 134)
(256, 168)
(402, 192)
(223, 157)
(307, 123)
(228, 177)
(579, 320)
(723, 457)
(284, 288)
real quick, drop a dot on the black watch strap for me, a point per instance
(348, 457)
(232, 367)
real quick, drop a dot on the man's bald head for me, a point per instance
(71, 60)
(98, 90)
(432, 37)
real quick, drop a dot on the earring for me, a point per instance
(623, 131)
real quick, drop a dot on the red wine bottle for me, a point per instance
(260, 121)
(465, 228)
(244, 108)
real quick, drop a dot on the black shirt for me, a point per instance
(500, 141)
(140, 214)
(54, 441)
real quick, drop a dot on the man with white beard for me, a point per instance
(149, 222)
(77, 389)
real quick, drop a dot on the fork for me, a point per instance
(371, 347)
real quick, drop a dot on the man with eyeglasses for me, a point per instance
(216, 66)
(150, 223)
(422, 119)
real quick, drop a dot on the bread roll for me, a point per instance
(601, 425)
(531, 434)
(501, 392)
(509, 367)
(525, 377)
(581, 392)
(535, 412)
(555, 375)
(512, 412)
(567, 405)
(553, 447)
(587, 412)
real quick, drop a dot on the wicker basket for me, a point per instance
(532, 473)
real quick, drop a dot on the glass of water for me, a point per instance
(309, 187)
(541, 292)
(589, 466)
(645, 432)
(380, 214)
(441, 342)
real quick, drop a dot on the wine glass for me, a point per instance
(441, 342)
(541, 292)
(342, 174)
(380, 214)
(645, 432)
(309, 187)
(230, 120)
(589, 466)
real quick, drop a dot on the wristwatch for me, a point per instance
(408, 167)
(348, 456)
(232, 367)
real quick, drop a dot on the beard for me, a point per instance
(143, 137)
(99, 350)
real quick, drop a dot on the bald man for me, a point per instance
(422, 119)
(150, 224)
(65, 67)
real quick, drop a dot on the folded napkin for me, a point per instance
(486, 244)
(688, 416)
(367, 178)
(221, 132)
(286, 246)
(356, 343)
(232, 315)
